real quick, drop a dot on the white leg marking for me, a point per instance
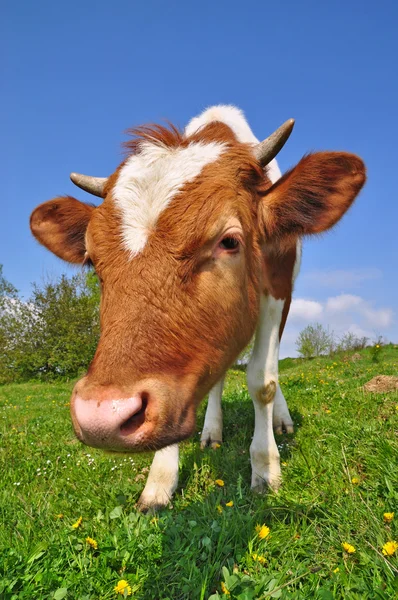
(264, 452)
(162, 479)
(262, 382)
(262, 370)
(212, 428)
(281, 417)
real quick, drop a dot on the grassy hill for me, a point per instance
(340, 472)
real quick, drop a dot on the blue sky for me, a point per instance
(77, 74)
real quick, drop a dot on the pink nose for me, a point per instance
(107, 422)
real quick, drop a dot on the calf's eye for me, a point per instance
(229, 243)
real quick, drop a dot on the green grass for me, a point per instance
(187, 551)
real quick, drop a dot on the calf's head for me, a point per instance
(177, 246)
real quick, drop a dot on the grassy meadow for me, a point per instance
(69, 528)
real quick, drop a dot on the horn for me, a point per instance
(267, 150)
(92, 185)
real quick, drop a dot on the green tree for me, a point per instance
(314, 340)
(12, 322)
(7, 290)
(54, 334)
(64, 330)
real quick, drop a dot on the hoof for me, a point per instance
(283, 425)
(208, 441)
(153, 500)
(262, 486)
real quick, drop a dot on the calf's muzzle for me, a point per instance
(146, 416)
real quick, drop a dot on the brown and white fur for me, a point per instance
(196, 247)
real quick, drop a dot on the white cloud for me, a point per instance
(342, 278)
(341, 314)
(305, 309)
(342, 303)
(378, 318)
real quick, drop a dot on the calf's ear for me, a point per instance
(313, 196)
(60, 225)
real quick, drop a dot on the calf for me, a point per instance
(196, 244)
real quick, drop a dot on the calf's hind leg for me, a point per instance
(212, 427)
(281, 416)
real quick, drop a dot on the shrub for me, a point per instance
(349, 341)
(376, 349)
(314, 340)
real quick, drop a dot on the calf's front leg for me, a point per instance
(264, 452)
(162, 480)
(262, 383)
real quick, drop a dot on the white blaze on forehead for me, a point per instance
(148, 182)
(235, 119)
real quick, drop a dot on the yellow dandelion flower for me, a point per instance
(216, 445)
(262, 531)
(220, 509)
(284, 464)
(230, 503)
(336, 570)
(258, 558)
(355, 480)
(78, 523)
(92, 543)
(219, 482)
(348, 548)
(224, 589)
(377, 346)
(122, 588)
(388, 517)
(328, 411)
(390, 548)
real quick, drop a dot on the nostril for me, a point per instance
(137, 419)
